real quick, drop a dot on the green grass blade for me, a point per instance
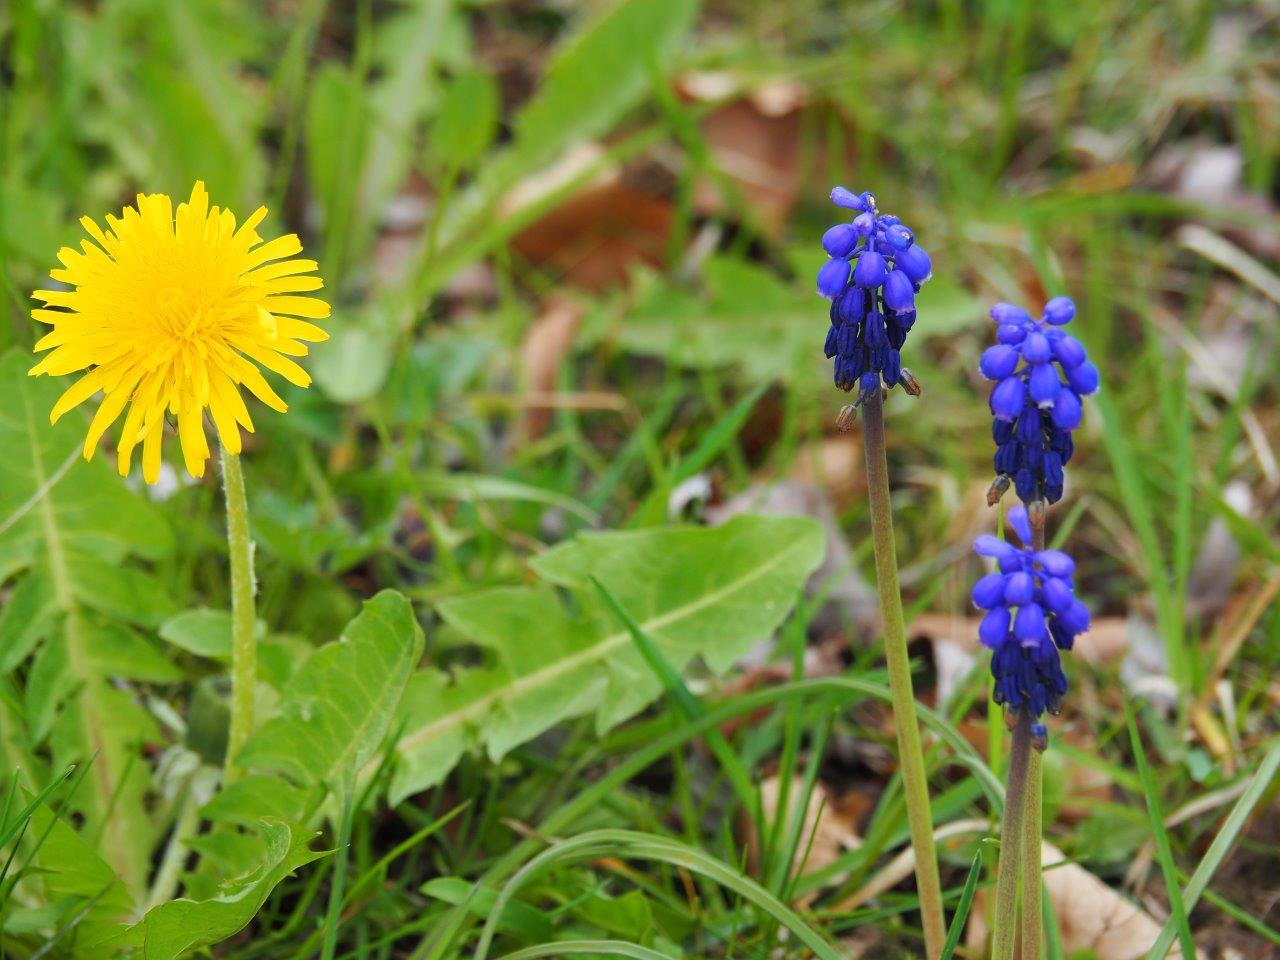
(1164, 853)
(616, 948)
(962, 908)
(1221, 844)
(630, 844)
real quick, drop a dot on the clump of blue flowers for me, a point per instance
(1041, 373)
(872, 277)
(1032, 613)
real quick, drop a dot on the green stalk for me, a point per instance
(1004, 938)
(244, 645)
(915, 786)
(1032, 830)
(1031, 881)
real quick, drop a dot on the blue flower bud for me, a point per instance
(1068, 351)
(840, 240)
(869, 383)
(1043, 384)
(831, 348)
(1011, 334)
(1021, 523)
(847, 198)
(849, 306)
(1055, 563)
(989, 591)
(1083, 379)
(1053, 476)
(833, 277)
(1008, 313)
(1059, 311)
(874, 330)
(868, 200)
(869, 272)
(1067, 411)
(892, 367)
(989, 546)
(1029, 624)
(847, 340)
(899, 237)
(899, 295)
(1019, 588)
(998, 362)
(994, 628)
(915, 263)
(1056, 593)
(1036, 349)
(1076, 618)
(1008, 398)
(864, 224)
(886, 220)
(1006, 459)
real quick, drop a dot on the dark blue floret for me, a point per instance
(1031, 614)
(872, 277)
(1041, 373)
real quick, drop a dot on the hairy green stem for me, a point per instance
(1032, 829)
(915, 785)
(1004, 937)
(1031, 883)
(244, 645)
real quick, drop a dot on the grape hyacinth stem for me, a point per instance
(1032, 827)
(910, 757)
(1031, 860)
(244, 648)
(1004, 938)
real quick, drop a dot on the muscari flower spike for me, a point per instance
(1041, 373)
(1032, 613)
(872, 277)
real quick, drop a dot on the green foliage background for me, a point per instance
(1036, 149)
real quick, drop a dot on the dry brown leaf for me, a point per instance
(546, 344)
(1090, 914)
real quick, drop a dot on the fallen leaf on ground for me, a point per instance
(546, 344)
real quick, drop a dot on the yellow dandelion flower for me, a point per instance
(174, 312)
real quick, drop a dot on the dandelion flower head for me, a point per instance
(171, 312)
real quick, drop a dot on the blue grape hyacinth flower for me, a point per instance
(1031, 614)
(1041, 374)
(872, 277)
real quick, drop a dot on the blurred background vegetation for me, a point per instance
(570, 249)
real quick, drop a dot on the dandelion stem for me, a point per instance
(244, 647)
(1011, 840)
(910, 756)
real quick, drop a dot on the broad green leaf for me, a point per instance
(352, 365)
(176, 928)
(251, 798)
(338, 706)
(74, 525)
(706, 592)
(75, 878)
(467, 121)
(204, 632)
